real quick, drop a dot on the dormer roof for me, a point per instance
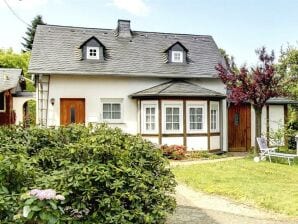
(89, 39)
(174, 44)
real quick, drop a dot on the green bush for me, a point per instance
(105, 175)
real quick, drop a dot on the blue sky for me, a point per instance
(237, 26)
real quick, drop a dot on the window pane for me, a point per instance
(116, 107)
(168, 110)
(152, 126)
(168, 126)
(106, 115)
(106, 107)
(176, 118)
(152, 110)
(72, 115)
(147, 110)
(175, 110)
(116, 115)
(169, 118)
(176, 126)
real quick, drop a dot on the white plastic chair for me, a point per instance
(264, 150)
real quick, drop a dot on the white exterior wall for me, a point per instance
(93, 89)
(18, 103)
(276, 120)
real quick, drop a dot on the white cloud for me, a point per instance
(136, 7)
(23, 4)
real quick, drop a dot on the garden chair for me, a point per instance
(264, 150)
(270, 152)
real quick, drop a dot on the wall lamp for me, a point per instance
(52, 100)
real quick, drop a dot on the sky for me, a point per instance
(238, 26)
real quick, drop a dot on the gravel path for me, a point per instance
(199, 208)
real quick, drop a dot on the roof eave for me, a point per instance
(127, 74)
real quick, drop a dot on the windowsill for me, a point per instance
(112, 122)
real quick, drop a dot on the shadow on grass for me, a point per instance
(190, 215)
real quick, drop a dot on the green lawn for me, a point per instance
(268, 185)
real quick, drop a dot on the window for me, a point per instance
(177, 56)
(2, 102)
(172, 118)
(196, 118)
(112, 110)
(92, 53)
(214, 116)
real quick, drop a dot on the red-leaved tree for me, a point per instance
(253, 86)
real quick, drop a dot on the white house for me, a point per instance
(161, 85)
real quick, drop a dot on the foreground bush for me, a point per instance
(106, 176)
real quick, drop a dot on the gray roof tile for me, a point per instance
(56, 51)
(177, 88)
(9, 78)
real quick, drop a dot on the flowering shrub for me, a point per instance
(41, 206)
(106, 176)
(176, 152)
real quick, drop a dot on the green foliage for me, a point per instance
(116, 177)
(288, 67)
(10, 59)
(30, 33)
(204, 155)
(40, 207)
(176, 152)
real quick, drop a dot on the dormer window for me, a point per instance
(177, 53)
(92, 53)
(177, 56)
(93, 49)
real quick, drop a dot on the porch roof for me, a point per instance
(177, 88)
(281, 100)
(9, 78)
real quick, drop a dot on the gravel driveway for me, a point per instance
(199, 208)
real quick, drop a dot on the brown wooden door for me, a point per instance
(239, 128)
(72, 111)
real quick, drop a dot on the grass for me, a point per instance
(267, 185)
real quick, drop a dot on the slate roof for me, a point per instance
(56, 51)
(177, 88)
(9, 78)
(281, 100)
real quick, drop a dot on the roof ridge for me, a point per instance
(138, 31)
(170, 84)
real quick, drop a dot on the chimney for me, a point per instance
(124, 28)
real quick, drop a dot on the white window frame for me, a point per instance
(112, 101)
(173, 56)
(165, 105)
(214, 105)
(198, 104)
(144, 106)
(88, 56)
(4, 103)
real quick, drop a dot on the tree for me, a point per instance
(229, 60)
(253, 86)
(31, 32)
(10, 59)
(288, 66)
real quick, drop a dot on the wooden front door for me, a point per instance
(239, 128)
(72, 111)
